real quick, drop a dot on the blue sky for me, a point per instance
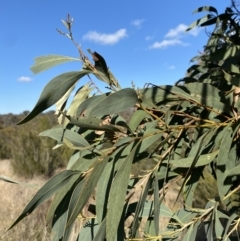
(141, 41)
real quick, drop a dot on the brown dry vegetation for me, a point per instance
(13, 198)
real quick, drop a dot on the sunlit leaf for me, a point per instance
(199, 22)
(206, 8)
(86, 190)
(46, 62)
(156, 202)
(53, 92)
(59, 134)
(45, 192)
(115, 103)
(202, 160)
(136, 119)
(103, 187)
(117, 195)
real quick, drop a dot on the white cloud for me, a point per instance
(25, 79)
(171, 67)
(147, 38)
(180, 30)
(137, 22)
(167, 43)
(103, 38)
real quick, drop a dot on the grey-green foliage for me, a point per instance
(181, 134)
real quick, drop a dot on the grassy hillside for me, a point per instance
(30, 154)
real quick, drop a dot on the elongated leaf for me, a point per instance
(230, 222)
(59, 196)
(151, 136)
(101, 233)
(199, 22)
(103, 187)
(60, 218)
(45, 192)
(233, 79)
(90, 182)
(54, 91)
(93, 124)
(225, 146)
(156, 202)
(80, 96)
(187, 162)
(86, 106)
(61, 104)
(218, 226)
(83, 164)
(88, 232)
(46, 62)
(115, 103)
(140, 206)
(117, 195)
(188, 235)
(152, 96)
(206, 8)
(191, 184)
(59, 134)
(136, 119)
(208, 95)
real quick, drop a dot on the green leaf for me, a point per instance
(86, 190)
(136, 119)
(206, 8)
(86, 106)
(88, 232)
(225, 146)
(188, 235)
(61, 104)
(232, 172)
(101, 233)
(45, 192)
(102, 191)
(152, 96)
(59, 134)
(218, 226)
(230, 222)
(59, 196)
(208, 95)
(46, 62)
(80, 96)
(156, 201)
(199, 22)
(191, 184)
(115, 103)
(117, 195)
(82, 164)
(140, 206)
(53, 92)
(233, 79)
(60, 218)
(150, 137)
(203, 160)
(92, 124)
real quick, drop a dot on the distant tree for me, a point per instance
(182, 134)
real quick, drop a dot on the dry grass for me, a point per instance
(13, 198)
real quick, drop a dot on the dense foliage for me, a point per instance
(177, 135)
